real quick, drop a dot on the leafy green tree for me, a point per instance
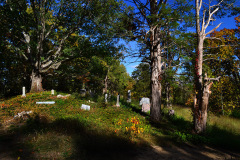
(118, 78)
(41, 31)
(141, 75)
(223, 55)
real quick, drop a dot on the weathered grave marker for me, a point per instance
(52, 92)
(171, 112)
(118, 105)
(83, 92)
(85, 107)
(23, 92)
(145, 103)
(46, 102)
(64, 97)
(106, 96)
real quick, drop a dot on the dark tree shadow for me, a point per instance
(216, 137)
(90, 144)
(134, 109)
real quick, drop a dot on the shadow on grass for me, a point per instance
(85, 144)
(181, 131)
(89, 143)
(134, 108)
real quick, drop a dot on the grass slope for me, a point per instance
(64, 131)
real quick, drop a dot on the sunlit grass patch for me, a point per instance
(222, 131)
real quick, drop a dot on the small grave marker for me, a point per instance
(52, 92)
(46, 102)
(85, 107)
(106, 96)
(23, 92)
(118, 105)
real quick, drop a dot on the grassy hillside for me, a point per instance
(64, 131)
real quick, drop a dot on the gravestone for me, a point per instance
(144, 100)
(52, 92)
(91, 93)
(145, 103)
(105, 97)
(64, 97)
(83, 92)
(85, 107)
(129, 96)
(46, 102)
(171, 112)
(23, 92)
(118, 105)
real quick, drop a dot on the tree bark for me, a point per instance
(200, 118)
(155, 109)
(36, 85)
(200, 112)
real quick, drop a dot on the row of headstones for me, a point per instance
(118, 97)
(144, 102)
(106, 99)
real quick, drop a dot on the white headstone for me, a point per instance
(171, 112)
(144, 100)
(85, 107)
(23, 92)
(106, 96)
(47, 102)
(61, 96)
(118, 105)
(52, 92)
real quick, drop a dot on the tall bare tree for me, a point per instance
(154, 18)
(205, 13)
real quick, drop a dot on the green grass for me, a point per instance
(222, 131)
(65, 131)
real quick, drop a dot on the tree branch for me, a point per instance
(213, 29)
(211, 79)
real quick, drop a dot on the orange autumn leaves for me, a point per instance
(131, 126)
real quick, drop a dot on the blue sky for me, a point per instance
(131, 63)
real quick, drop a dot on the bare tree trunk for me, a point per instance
(155, 109)
(199, 112)
(202, 88)
(200, 118)
(36, 85)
